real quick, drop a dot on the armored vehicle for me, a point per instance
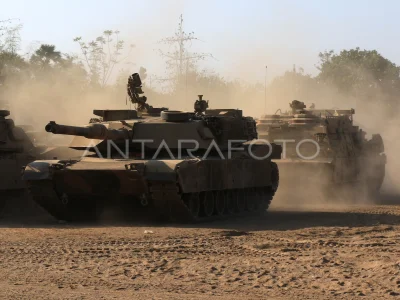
(267, 121)
(322, 148)
(180, 166)
(17, 149)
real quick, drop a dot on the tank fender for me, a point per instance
(39, 170)
(222, 174)
(161, 170)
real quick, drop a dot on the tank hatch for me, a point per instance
(4, 113)
(116, 115)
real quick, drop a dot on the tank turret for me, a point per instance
(223, 128)
(12, 138)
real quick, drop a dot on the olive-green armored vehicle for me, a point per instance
(181, 166)
(322, 148)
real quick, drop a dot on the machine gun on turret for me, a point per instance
(134, 88)
(297, 106)
(200, 106)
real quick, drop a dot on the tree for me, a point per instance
(365, 74)
(293, 85)
(50, 65)
(10, 38)
(101, 55)
(10, 61)
(180, 61)
(46, 56)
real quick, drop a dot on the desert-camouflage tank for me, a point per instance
(16, 151)
(323, 148)
(18, 147)
(177, 165)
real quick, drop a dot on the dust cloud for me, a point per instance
(56, 98)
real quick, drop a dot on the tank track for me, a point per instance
(166, 202)
(76, 208)
(172, 205)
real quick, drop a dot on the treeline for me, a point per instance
(49, 84)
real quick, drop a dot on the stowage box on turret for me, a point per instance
(182, 166)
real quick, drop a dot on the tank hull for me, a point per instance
(177, 190)
(15, 200)
(333, 179)
(12, 188)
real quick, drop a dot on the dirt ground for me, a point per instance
(312, 253)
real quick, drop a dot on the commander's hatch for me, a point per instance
(237, 113)
(116, 115)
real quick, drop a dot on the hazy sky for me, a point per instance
(244, 36)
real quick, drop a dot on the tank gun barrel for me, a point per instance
(94, 131)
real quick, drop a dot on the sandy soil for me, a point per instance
(325, 253)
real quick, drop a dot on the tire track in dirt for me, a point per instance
(335, 261)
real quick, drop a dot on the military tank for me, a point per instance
(20, 145)
(267, 121)
(16, 151)
(181, 166)
(322, 148)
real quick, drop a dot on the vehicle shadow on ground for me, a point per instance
(274, 220)
(389, 199)
(278, 218)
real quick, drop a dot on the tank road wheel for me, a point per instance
(230, 197)
(241, 200)
(192, 202)
(251, 200)
(207, 203)
(259, 198)
(220, 202)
